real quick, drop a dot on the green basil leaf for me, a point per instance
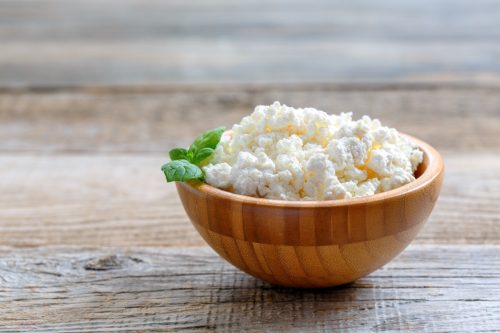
(178, 154)
(209, 139)
(202, 155)
(181, 170)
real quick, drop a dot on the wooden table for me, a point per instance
(93, 93)
(95, 239)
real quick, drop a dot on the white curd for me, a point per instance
(280, 152)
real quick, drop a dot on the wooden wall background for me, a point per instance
(55, 42)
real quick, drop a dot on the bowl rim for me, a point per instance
(434, 168)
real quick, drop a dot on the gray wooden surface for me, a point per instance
(59, 289)
(152, 119)
(58, 42)
(81, 166)
(94, 239)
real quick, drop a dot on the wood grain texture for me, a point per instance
(50, 42)
(66, 289)
(123, 200)
(153, 119)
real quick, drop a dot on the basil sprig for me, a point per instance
(186, 163)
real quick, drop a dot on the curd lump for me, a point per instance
(284, 153)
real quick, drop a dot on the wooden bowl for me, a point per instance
(312, 244)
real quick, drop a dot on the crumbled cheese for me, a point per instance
(279, 152)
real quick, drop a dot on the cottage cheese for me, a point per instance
(279, 152)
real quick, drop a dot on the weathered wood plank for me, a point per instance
(155, 19)
(60, 42)
(123, 200)
(58, 289)
(156, 118)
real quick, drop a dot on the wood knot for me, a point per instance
(109, 262)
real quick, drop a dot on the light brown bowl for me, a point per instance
(314, 244)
